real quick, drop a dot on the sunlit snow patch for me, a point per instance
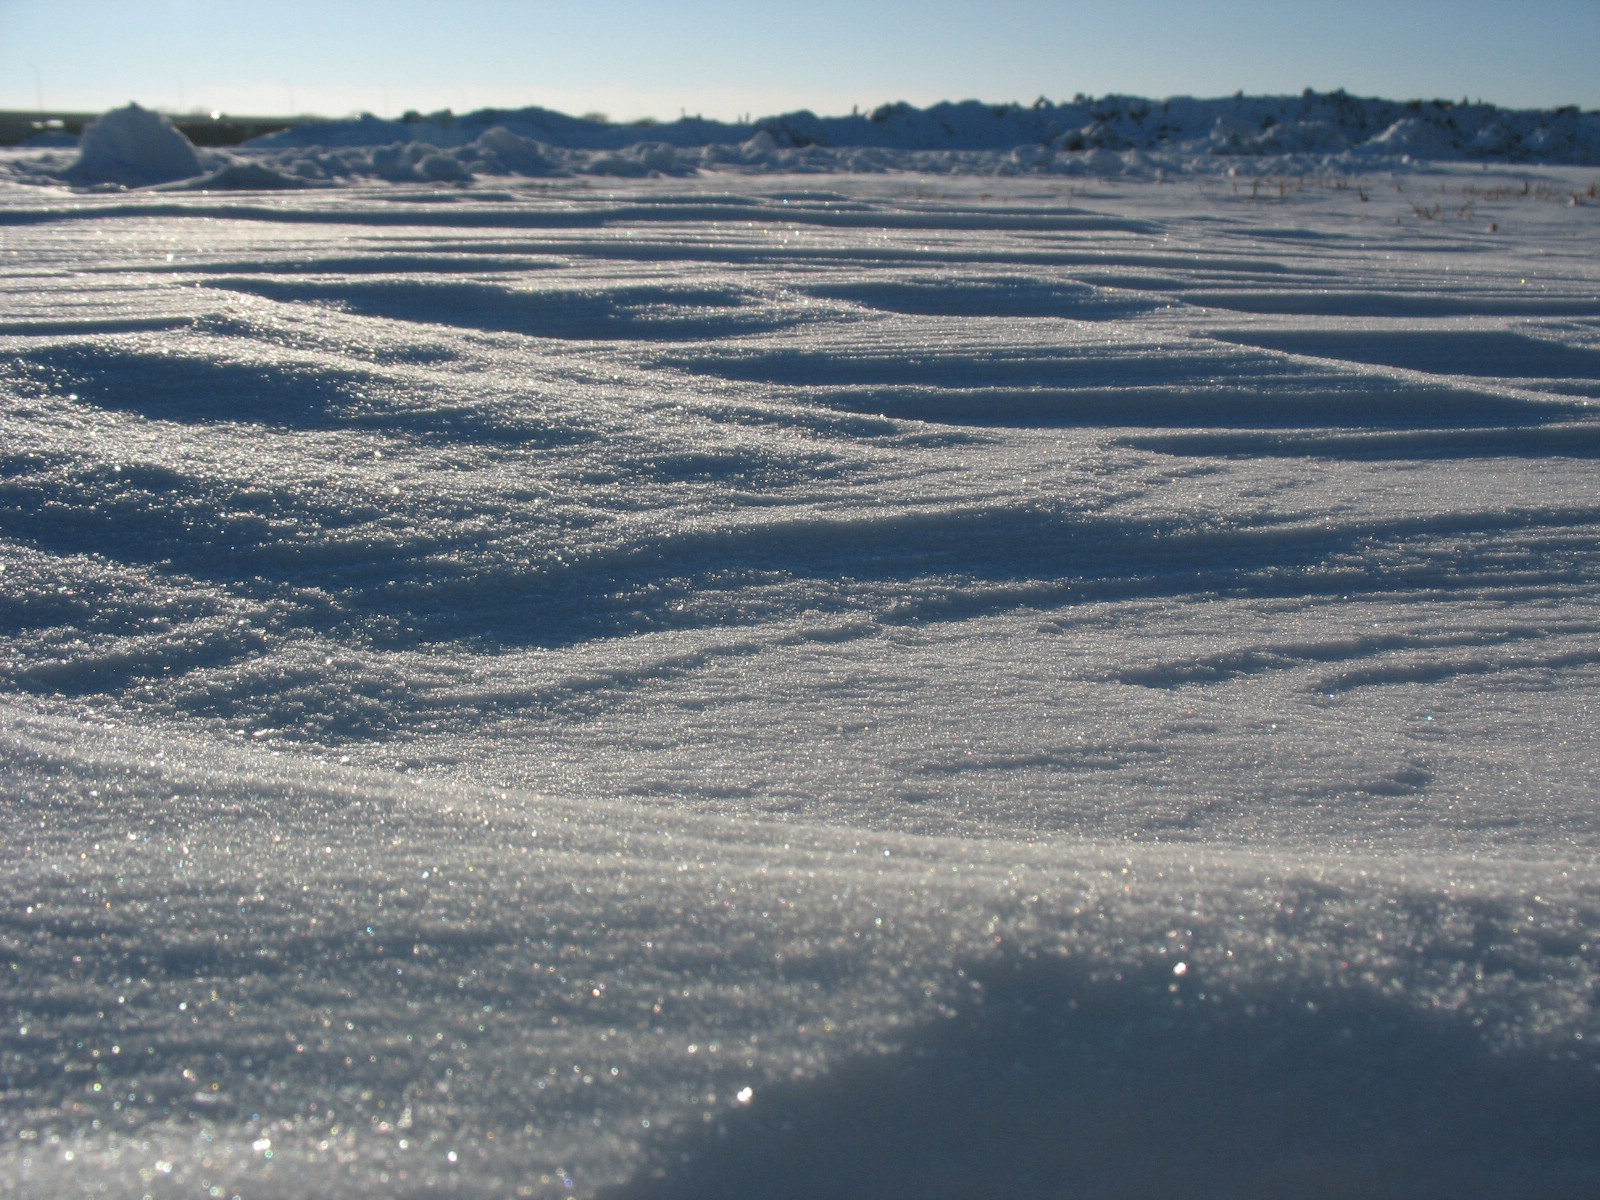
(134, 147)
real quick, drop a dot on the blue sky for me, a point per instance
(724, 59)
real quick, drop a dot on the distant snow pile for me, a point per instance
(1114, 135)
(1332, 123)
(134, 147)
(1311, 123)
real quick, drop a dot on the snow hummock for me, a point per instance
(1333, 123)
(134, 147)
(1105, 137)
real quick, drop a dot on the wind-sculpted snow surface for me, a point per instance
(894, 686)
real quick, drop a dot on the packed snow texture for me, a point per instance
(865, 686)
(1111, 136)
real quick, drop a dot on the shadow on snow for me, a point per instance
(1055, 1082)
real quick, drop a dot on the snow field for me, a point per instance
(856, 685)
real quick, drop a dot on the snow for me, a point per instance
(702, 681)
(1321, 123)
(133, 146)
(1100, 136)
(1313, 133)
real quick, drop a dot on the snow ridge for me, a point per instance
(1329, 122)
(1113, 135)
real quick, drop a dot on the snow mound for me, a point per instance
(244, 176)
(1115, 136)
(134, 147)
(1109, 137)
(512, 154)
(1322, 123)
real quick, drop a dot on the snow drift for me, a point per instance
(860, 685)
(1313, 122)
(1114, 135)
(133, 146)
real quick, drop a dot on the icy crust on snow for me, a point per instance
(860, 686)
(1113, 135)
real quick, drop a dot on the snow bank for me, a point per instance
(134, 147)
(1332, 122)
(1108, 137)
